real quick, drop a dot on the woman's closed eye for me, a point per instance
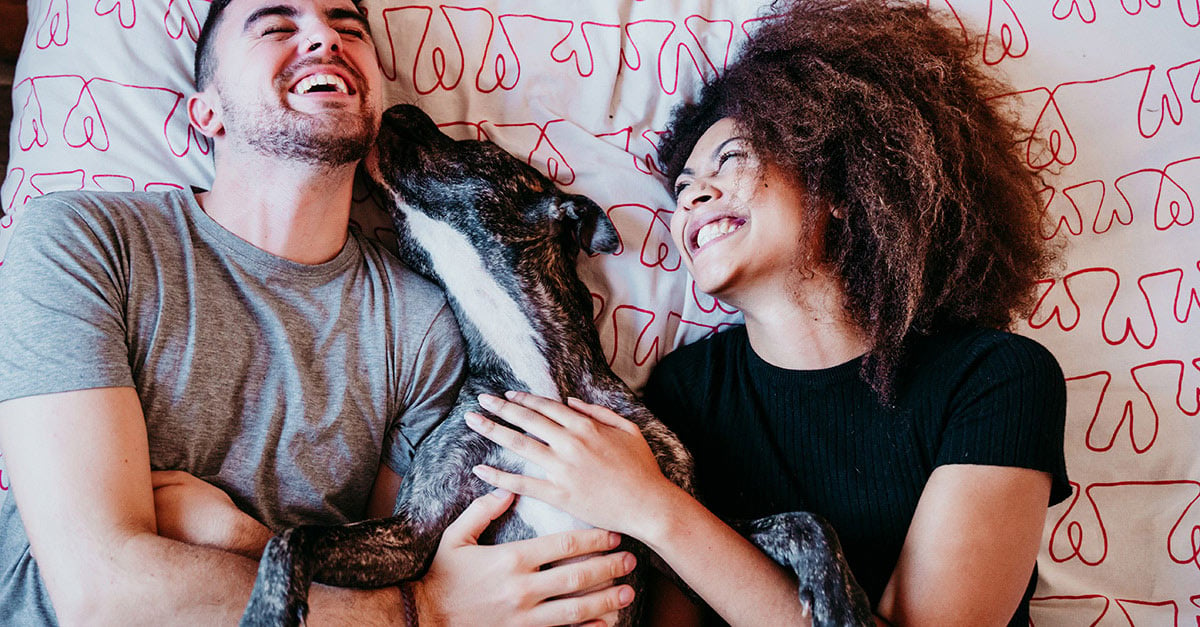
(680, 185)
(729, 155)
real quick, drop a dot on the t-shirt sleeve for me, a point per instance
(62, 296)
(437, 371)
(1010, 410)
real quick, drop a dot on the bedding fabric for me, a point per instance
(1105, 90)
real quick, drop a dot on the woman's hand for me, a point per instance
(191, 510)
(597, 465)
(514, 583)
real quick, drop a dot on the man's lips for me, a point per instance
(323, 79)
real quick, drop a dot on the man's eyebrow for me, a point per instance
(339, 13)
(282, 10)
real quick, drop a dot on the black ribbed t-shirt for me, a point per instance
(769, 440)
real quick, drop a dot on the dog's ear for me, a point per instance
(410, 123)
(591, 226)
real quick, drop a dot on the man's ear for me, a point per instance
(204, 113)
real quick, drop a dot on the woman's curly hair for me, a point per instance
(880, 113)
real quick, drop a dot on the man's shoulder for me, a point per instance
(100, 207)
(413, 288)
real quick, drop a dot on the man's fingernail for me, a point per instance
(630, 562)
(625, 595)
(614, 539)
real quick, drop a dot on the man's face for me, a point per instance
(297, 79)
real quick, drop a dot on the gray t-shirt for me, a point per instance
(284, 384)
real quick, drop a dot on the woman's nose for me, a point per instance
(698, 193)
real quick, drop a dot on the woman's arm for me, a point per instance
(971, 547)
(600, 469)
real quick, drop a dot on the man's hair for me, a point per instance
(204, 63)
(878, 111)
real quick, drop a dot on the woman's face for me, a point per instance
(738, 221)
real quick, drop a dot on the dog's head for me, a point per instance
(478, 188)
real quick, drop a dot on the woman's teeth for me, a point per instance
(715, 229)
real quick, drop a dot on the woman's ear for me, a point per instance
(204, 113)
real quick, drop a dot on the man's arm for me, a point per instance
(81, 479)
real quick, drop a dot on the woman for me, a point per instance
(849, 187)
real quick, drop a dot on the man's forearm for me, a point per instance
(155, 580)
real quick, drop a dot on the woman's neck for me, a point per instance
(804, 326)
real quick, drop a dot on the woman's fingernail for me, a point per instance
(488, 401)
(481, 471)
(510, 395)
(501, 493)
(473, 419)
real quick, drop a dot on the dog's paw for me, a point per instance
(808, 545)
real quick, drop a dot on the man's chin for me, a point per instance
(330, 144)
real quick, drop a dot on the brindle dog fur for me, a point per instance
(472, 204)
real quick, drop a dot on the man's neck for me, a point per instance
(296, 211)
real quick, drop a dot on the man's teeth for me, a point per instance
(319, 81)
(715, 229)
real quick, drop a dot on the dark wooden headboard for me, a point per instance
(12, 32)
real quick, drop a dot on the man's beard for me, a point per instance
(332, 139)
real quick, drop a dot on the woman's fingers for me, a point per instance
(519, 443)
(467, 528)
(550, 409)
(569, 611)
(583, 575)
(542, 550)
(603, 415)
(524, 485)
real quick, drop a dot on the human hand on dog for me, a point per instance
(598, 465)
(191, 510)
(471, 584)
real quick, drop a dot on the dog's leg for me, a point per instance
(373, 553)
(808, 545)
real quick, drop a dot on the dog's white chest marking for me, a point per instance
(501, 322)
(488, 306)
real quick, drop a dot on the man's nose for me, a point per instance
(322, 36)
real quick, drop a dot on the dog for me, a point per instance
(502, 239)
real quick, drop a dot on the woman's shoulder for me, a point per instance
(973, 348)
(717, 348)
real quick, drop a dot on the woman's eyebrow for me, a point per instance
(717, 151)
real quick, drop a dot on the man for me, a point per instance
(182, 372)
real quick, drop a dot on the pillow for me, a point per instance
(581, 93)
(581, 90)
